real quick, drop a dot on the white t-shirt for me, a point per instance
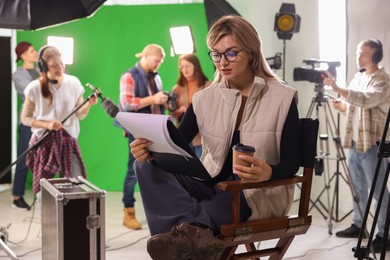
(63, 104)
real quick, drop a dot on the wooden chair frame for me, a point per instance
(283, 228)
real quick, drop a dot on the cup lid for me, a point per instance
(244, 148)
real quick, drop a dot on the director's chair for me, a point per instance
(283, 228)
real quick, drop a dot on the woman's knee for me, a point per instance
(142, 168)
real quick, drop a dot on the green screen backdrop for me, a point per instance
(104, 48)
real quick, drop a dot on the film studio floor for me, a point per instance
(24, 233)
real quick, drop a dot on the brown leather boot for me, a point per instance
(129, 219)
(185, 241)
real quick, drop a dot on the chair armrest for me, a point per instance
(236, 186)
(243, 185)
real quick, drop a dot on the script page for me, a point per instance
(153, 128)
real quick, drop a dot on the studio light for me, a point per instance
(287, 22)
(64, 46)
(182, 40)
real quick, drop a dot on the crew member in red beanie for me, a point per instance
(23, 75)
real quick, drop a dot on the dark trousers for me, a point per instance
(130, 180)
(21, 171)
(170, 199)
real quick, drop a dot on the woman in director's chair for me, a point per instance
(246, 104)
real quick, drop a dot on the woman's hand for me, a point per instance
(139, 150)
(54, 125)
(93, 100)
(258, 172)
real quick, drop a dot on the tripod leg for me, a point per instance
(7, 250)
(387, 225)
(379, 205)
(323, 155)
(363, 252)
(327, 183)
(318, 200)
(341, 158)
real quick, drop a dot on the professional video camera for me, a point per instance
(314, 74)
(172, 101)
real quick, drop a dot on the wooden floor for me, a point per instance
(24, 231)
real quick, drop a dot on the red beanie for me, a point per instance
(21, 48)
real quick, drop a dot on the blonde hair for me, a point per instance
(247, 36)
(152, 49)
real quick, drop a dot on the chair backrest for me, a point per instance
(308, 132)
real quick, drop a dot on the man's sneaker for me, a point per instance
(185, 241)
(351, 232)
(377, 244)
(20, 204)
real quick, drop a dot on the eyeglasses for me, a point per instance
(229, 55)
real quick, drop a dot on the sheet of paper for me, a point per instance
(152, 127)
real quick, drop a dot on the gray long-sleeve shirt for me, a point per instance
(21, 77)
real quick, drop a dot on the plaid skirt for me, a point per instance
(51, 155)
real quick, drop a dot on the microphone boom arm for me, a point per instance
(110, 108)
(44, 135)
(97, 91)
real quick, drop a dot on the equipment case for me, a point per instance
(73, 220)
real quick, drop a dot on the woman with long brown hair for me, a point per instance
(49, 101)
(191, 80)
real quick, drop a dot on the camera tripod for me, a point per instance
(332, 209)
(383, 152)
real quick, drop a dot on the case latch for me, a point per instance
(93, 222)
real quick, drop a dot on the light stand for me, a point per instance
(287, 22)
(284, 58)
(321, 100)
(383, 152)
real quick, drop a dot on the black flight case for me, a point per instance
(73, 220)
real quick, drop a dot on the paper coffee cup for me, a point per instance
(241, 149)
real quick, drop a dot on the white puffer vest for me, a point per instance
(266, 109)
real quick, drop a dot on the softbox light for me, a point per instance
(36, 14)
(215, 9)
(182, 40)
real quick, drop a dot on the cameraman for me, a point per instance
(366, 102)
(140, 91)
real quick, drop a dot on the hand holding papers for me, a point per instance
(169, 149)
